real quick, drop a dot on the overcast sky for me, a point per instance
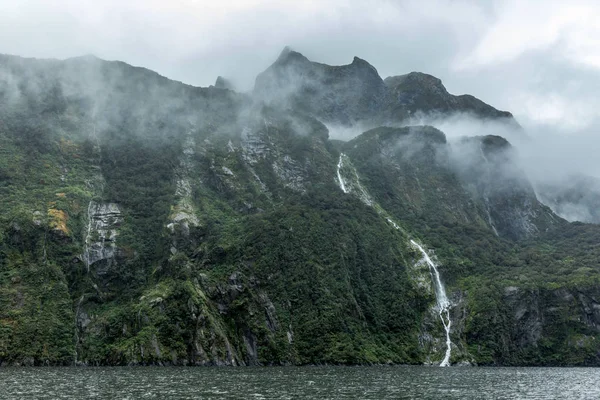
(538, 59)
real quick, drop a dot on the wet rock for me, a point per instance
(104, 220)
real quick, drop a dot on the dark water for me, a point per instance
(300, 383)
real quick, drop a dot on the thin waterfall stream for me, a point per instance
(442, 302)
(339, 174)
(86, 249)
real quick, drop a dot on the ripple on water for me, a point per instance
(300, 382)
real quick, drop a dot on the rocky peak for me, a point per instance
(355, 92)
(288, 56)
(416, 80)
(222, 83)
(497, 147)
(420, 92)
(339, 94)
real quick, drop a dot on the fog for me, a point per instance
(538, 59)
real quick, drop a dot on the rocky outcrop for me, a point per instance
(183, 214)
(101, 251)
(563, 323)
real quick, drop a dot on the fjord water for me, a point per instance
(397, 382)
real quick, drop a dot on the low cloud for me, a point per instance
(538, 59)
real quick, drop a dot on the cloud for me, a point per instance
(188, 39)
(538, 59)
(522, 26)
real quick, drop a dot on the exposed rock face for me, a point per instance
(265, 155)
(254, 145)
(184, 213)
(227, 231)
(104, 220)
(355, 92)
(536, 315)
(290, 172)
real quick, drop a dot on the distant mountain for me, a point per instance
(145, 221)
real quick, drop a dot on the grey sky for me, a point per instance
(538, 59)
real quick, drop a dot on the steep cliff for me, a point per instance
(145, 221)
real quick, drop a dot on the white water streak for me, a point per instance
(395, 225)
(442, 302)
(339, 174)
(86, 250)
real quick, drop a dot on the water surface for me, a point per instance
(299, 383)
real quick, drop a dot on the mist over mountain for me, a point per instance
(146, 221)
(355, 93)
(575, 197)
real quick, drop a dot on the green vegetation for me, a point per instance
(233, 243)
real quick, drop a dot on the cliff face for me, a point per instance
(539, 327)
(146, 221)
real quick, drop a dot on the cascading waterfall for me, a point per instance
(352, 184)
(442, 302)
(339, 174)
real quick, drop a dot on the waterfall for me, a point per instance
(395, 225)
(339, 174)
(86, 250)
(443, 303)
(352, 183)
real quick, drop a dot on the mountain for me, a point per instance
(145, 221)
(343, 94)
(355, 92)
(417, 92)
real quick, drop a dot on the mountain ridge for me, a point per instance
(148, 222)
(392, 100)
